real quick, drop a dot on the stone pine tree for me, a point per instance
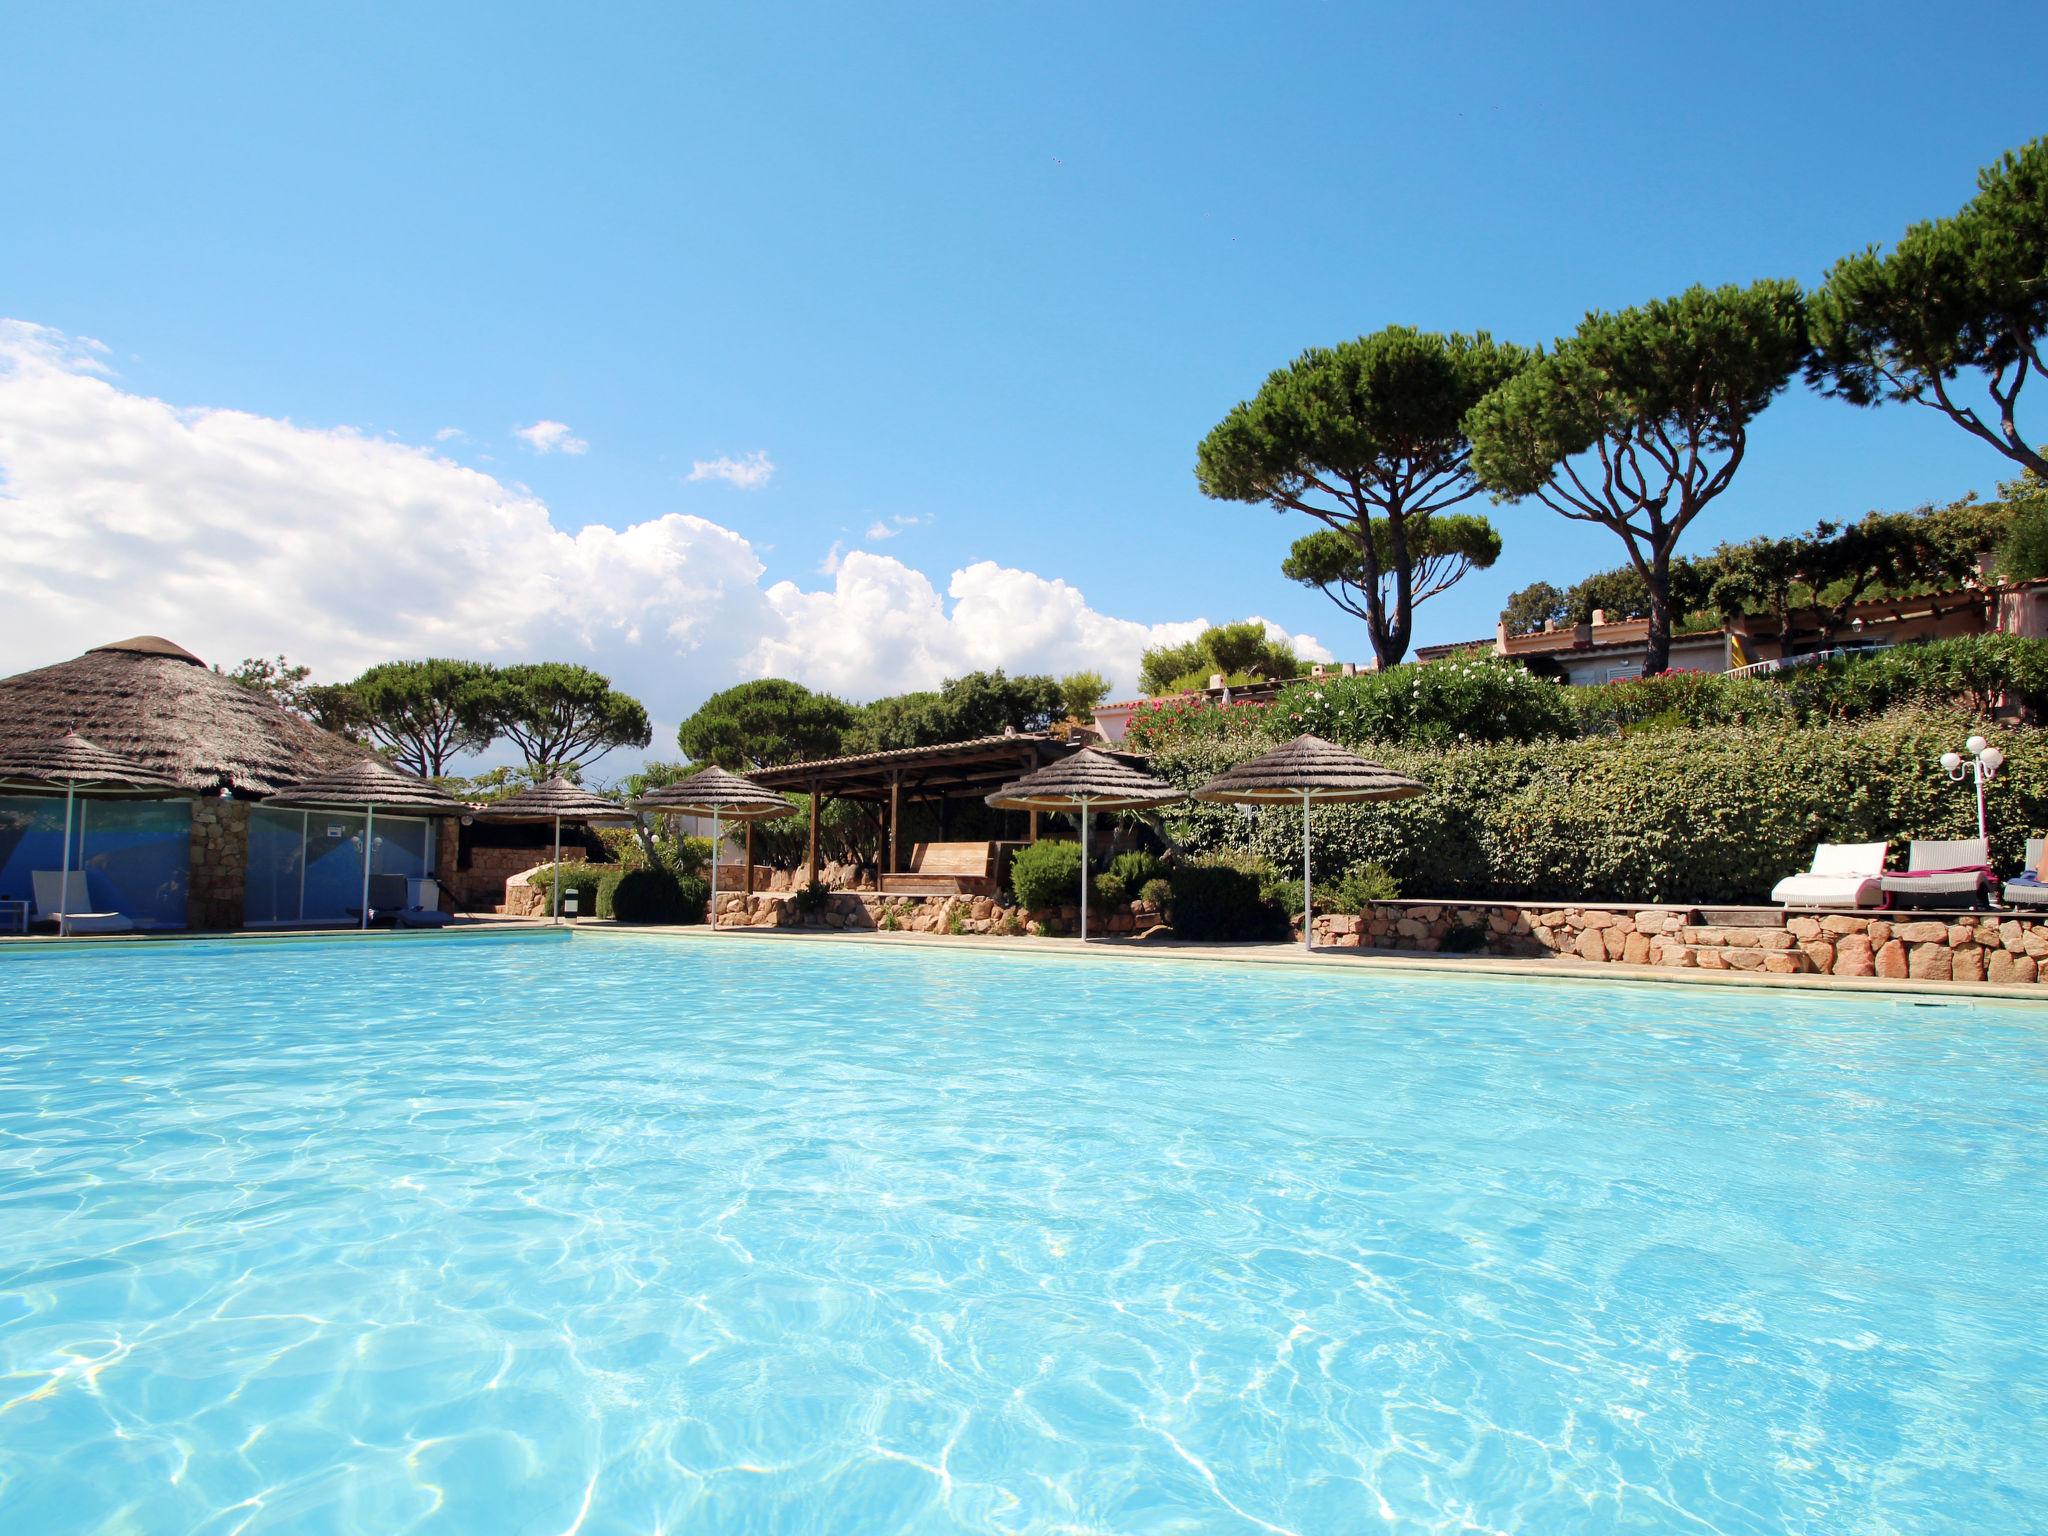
(1959, 303)
(766, 721)
(424, 713)
(564, 717)
(1367, 437)
(1442, 551)
(1640, 418)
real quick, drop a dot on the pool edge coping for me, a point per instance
(1326, 960)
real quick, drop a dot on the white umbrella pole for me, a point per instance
(1308, 914)
(1084, 871)
(64, 879)
(555, 876)
(717, 836)
(369, 853)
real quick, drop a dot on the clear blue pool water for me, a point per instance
(650, 1236)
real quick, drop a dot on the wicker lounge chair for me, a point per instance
(1843, 875)
(2029, 890)
(1951, 873)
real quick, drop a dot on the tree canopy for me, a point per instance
(960, 709)
(761, 723)
(1442, 550)
(424, 713)
(1963, 294)
(1365, 435)
(1639, 420)
(561, 715)
(1240, 652)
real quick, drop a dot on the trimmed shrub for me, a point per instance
(811, 898)
(1156, 893)
(1223, 897)
(1109, 889)
(1046, 874)
(657, 896)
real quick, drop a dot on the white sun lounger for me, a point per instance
(1953, 872)
(54, 893)
(1843, 875)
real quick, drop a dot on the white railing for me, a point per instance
(1811, 659)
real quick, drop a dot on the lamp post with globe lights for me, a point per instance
(1982, 764)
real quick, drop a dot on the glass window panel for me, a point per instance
(401, 846)
(277, 849)
(137, 856)
(334, 866)
(31, 838)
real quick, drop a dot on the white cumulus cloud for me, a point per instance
(551, 437)
(747, 473)
(237, 534)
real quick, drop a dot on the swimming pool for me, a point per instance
(639, 1235)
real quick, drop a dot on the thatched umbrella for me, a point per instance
(555, 799)
(712, 791)
(1087, 782)
(369, 786)
(81, 767)
(1314, 772)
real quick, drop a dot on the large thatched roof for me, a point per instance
(559, 796)
(1308, 766)
(371, 782)
(159, 707)
(73, 764)
(714, 792)
(1087, 778)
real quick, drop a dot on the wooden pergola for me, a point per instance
(958, 770)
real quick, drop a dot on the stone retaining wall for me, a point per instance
(1959, 946)
(867, 911)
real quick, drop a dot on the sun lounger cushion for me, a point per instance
(1843, 875)
(1811, 890)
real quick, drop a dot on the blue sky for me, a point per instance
(983, 276)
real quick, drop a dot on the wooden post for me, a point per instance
(1034, 826)
(750, 858)
(894, 854)
(812, 859)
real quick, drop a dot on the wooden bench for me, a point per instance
(948, 869)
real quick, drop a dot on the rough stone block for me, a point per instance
(1780, 963)
(1968, 964)
(1930, 962)
(1891, 960)
(1636, 950)
(1803, 928)
(1745, 959)
(1844, 924)
(1820, 954)
(1591, 946)
(1922, 933)
(1854, 962)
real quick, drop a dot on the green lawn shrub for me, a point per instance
(659, 896)
(1046, 874)
(1224, 896)
(1356, 889)
(593, 884)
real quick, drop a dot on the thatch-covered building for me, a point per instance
(217, 861)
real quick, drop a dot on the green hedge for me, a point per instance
(593, 884)
(1679, 815)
